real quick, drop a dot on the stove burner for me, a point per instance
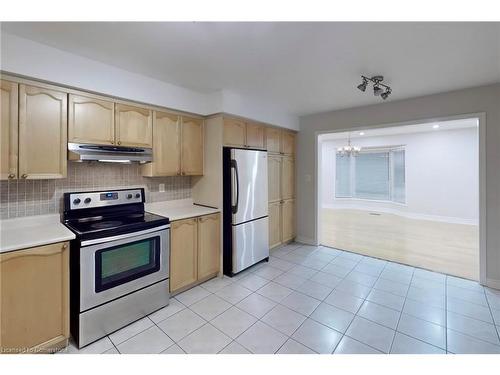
(106, 224)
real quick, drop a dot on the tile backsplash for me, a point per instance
(38, 197)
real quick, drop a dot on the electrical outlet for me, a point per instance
(161, 188)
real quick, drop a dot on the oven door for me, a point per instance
(122, 265)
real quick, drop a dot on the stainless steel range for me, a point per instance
(119, 261)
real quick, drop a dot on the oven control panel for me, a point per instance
(94, 199)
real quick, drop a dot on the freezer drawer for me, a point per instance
(248, 185)
(250, 244)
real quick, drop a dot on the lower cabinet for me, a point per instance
(194, 251)
(34, 299)
(281, 222)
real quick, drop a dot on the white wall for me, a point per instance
(25, 57)
(442, 175)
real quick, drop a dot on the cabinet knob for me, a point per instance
(112, 142)
(24, 176)
(65, 246)
(119, 142)
(12, 175)
(183, 173)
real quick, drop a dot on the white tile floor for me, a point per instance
(319, 300)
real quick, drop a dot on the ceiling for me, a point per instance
(428, 127)
(302, 67)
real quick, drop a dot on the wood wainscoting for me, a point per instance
(444, 247)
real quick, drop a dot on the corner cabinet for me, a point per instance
(9, 130)
(34, 299)
(42, 132)
(133, 126)
(194, 251)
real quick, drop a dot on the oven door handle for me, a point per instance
(122, 236)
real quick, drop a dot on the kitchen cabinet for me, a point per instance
(34, 299)
(166, 146)
(91, 120)
(191, 147)
(275, 234)
(287, 177)
(208, 245)
(240, 133)
(9, 130)
(255, 135)
(288, 220)
(287, 142)
(274, 177)
(42, 132)
(194, 251)
(234, 132)
(273, 140)
(178, 144)
(183, 253)
(133, 126)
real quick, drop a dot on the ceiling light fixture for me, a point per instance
(348, 150)
(361, 133)
(378, 86)
(435, 126)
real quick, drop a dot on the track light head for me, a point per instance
(363, 85)
(377, 90)
(386, 94)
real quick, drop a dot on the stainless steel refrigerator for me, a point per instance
(246, 239)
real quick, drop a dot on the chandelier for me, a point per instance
(348, 150)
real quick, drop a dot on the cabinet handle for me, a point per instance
(183, 173)
(12, 175)
(24, 176)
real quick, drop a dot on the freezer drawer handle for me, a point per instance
(234, 207)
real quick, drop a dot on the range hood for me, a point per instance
(110, 154)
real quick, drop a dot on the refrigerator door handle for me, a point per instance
(234, 207)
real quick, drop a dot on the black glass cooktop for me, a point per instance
(109, 225)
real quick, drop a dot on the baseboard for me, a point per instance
(306, 240)
(409, 215)
(492, 283)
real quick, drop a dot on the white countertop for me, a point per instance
(179, 209)
(24, 232)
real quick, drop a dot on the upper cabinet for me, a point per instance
(42, 132)
(178, 144)
(91, 120)
(9, 130)
(242, 133)
(279, 141)
(191, 146)
(134, 126)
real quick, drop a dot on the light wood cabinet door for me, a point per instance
(34, 310)
(274, 178)
(192, 147)
(166, 146)
(183, 254)
(255, 135)
(133, 126)
(274, 224)
(273, 137)
(234, 132)
(91, 120)
(288, 220)
(209, 244)
(42, 132)
(287, 177)
(9, 130)
(287, 142)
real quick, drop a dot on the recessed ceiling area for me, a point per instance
(405, 129)
(301, 67)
